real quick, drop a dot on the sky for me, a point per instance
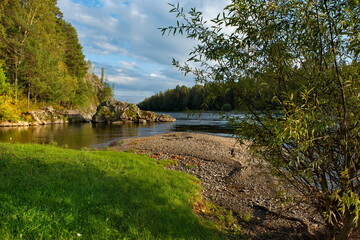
(123, 37)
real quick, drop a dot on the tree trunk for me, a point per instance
(28, 96)
(349, 225)
(342, 232)
(16, 81)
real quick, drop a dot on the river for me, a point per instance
(89, 135)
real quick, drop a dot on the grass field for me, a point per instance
(48, 192)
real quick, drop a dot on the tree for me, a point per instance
(13, 38)
(42, 56)
(4, 85)
(74, 58)
(305, 55)
(2, 29)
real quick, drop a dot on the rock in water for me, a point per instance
(112, 111)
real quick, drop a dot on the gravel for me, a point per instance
(230, 177)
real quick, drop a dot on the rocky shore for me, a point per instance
(231, 178)
(49, 115)
(110, 111)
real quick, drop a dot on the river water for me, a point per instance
(80, 135)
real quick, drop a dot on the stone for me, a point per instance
(14, 124)
(48, 115)
(75, 116)
(148, 116)
(45, 116)
(166, 118)
(112, 111)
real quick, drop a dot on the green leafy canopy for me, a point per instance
(300, 57)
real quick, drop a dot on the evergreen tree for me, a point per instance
(42, 56)
(74, 58)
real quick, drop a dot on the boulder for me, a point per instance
(45, 116)
(165, 118)
(148, 116)
(76, 116)
(48, 115)
(112, 111)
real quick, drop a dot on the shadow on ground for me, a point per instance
(63, 200)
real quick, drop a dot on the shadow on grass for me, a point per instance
(66, 200)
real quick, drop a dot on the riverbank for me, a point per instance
(92, 135)
(110, 111)
(231, 178)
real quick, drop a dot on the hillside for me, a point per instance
(41, 61)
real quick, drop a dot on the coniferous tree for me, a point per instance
(42, 57)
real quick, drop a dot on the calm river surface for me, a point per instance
(98, 135)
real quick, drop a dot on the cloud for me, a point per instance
(123, 36)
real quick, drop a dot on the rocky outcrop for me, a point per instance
(44, 116)
(14, 124)
(76, 116)
(113, 111)
(48, 115)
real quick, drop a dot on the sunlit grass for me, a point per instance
(53, 193)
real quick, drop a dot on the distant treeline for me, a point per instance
(41, 59)
(209, 96)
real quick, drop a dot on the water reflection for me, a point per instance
(97, 135)
(76, 135)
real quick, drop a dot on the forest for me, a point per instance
(183, 98)
(41, 61)
(214, 96)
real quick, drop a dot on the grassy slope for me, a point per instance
(53, 193)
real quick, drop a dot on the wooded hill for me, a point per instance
(41, 60)
(183, 98)
(210, 96)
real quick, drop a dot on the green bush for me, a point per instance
(8, 110)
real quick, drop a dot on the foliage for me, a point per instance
(53, 193)
(184, 98)
(42, 57)
(9, 111)
(4, 85)
(304, 56)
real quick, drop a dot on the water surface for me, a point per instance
(79, 135)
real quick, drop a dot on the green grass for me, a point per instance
(48, 192)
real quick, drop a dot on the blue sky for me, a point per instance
(123, 37)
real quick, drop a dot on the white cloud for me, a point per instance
(128, 64)
(123, 37)
(121, 79)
